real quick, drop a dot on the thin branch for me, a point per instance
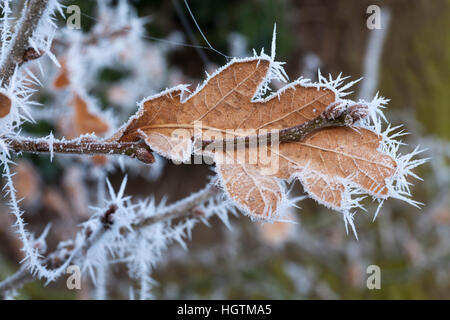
(182, 209)
(14, 282)
(138, 150)
(94, 37)
(31, 16)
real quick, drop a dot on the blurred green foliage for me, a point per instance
(416, 63)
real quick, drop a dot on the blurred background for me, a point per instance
(314, 258)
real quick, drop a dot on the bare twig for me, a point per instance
(14, 282)
(182, 209)
(95, 37)
(29, 21)
(138, 150)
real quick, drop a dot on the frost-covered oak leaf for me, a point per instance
(333, 164)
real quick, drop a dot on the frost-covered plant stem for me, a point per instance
(31, 14)
(182, 209)
(138, 150)
(16, 281)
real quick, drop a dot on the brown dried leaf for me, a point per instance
(27, 183)
(327, 162)
(55, 202)
(322, 161)
(244, 183)
(5, 105)
(61, 80)
(326, 157)
(83, 120)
